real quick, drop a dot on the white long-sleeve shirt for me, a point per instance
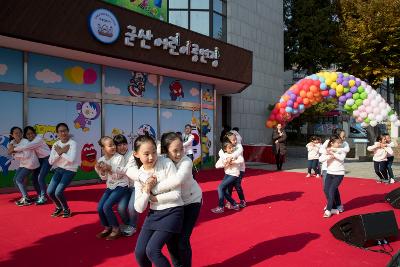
(27, 158)
(38, 145)
(232, 169)
(130, 162)
(238, 151)
(187, 144)
(313, 150)
(68, 161)
(345, 148)
(380, 154)
(114, 178)
(334, 161)
(164, 169)
(191, 191)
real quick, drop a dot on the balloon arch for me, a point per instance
(356, 97)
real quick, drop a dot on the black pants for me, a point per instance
(331, 190)
(148, 248)
(381, 169)
(389, 166)
(238, 187)
(194, 169)
(279, 160)
(179, 246)
(313, 164)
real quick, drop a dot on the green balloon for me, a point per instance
(364, 95)
(345, 74)
(346, 90)
(360, 89)
(356, 96)
(367, 120)
(354, 107)
(359, 102)
(391, 113)
(347, 107)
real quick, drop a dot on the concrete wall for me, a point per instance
(257, 25)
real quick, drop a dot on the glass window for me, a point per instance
(178, 4)
(218, 6)
(199, 4)
(199, 22)
(219, 29)
(179, 18)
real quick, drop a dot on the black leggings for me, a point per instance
(381, 169)
(179, 246)
(279, 160)
(148, 248)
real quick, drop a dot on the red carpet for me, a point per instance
(282, 226)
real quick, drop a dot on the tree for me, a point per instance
(310, 34)
(370, 38)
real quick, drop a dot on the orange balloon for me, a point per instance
(303, 93)
(269, 124)
(310, 95)
(317, 93)
(286, 97)
(306, 101)
(278, 106)
(313, 89)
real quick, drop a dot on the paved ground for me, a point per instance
(354, 168)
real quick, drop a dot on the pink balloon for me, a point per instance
(359, 119)
(363, 115)
(361, 108)
(377, 111)
(89, 76)
(366, 102)
(369, 109)
(356, 113)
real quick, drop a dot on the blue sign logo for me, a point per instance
(104, 26)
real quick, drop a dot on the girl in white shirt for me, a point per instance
(381, 152)
(313, 155)
(232, 172)
(188, 141)
(117, 187)
(28, 162)
(126, 206)
(237, 151)
(64, 158)
(390, 158)
(165, 216)
(42, 151)
(334, 158)
(179, 245)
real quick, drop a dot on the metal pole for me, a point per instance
(25, 99)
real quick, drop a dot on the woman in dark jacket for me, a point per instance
(279, 145)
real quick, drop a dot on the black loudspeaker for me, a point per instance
(365, 229)
(393, 198)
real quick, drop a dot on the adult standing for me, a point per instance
(279, 145)
(188, 141)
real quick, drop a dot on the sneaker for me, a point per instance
(327, 214)
(308, 175)
(335, 211)
(228, 206)
(128, 230)
(379, 181)
(57, 212)
(391, 181)
(41, 200)
(218, 210)
(24, 201)
(67, 213)
(340, 208)
(242, 204)
(236, 207)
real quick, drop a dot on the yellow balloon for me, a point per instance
(328, 81)
(339, 93)
(333, 76)
(339, 88)
(67, 74)
(352, 82)
(333, 85)
(77, 74)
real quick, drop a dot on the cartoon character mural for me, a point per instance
(176, 90)
(48, 132)
(116, 131)
(88, 157)
(207, 96)
(87, 112)
(5, 159)
(146, 128)
(205, 142)
(137, 84)
(196, 141)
